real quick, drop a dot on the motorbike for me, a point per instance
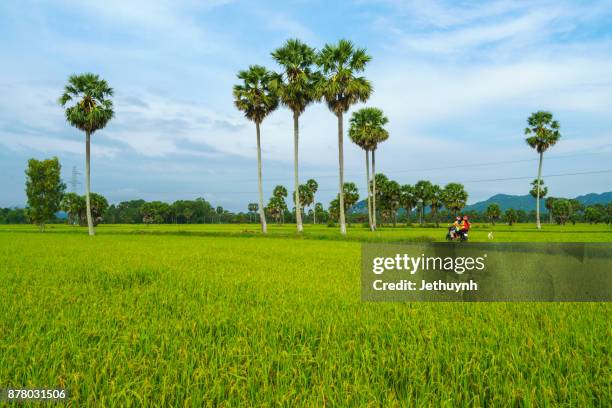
(457, 236)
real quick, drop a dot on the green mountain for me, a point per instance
(505, 201)
(527, 202)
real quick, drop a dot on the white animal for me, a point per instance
(490, 236)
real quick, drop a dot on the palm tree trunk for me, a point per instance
(87, 182)
(421, 213)
(373, 189)
(367, 153)
(262, 215)
(296, 181)
(538, 225)
(341, 173)
(314, 212)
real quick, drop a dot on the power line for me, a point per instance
(458, 166)
(546, 176)
(335, 189)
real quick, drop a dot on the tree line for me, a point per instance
(423, 202)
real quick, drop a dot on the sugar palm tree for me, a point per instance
(296, 88)
(408, 200)
(253, 207)
(549, 204)
(90, 111)
(340, 87)
(493, 212)
(454, 197)
(256, 98)
(379, 137)
(313, 186)
(542, 132)
(435, 202)
(366, 130)
(422, 192)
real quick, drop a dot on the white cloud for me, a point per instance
(50, 145)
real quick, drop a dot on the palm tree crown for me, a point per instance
(92, 109)
(366, 128)
(542, 131)
(296, 85)
(255, 96)
(340, 87)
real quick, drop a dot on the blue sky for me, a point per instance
(456, 79)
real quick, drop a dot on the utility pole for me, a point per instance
(74, 181)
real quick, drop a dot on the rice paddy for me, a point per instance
(216, 315)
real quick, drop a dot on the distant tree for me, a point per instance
(297, 89)
(313, 186)
(390, 196)
(351, 196)
(219, 211)
(594, 215)
(534, 189)
(320, 212)
(44, 189)
(92, 109)
(511, 216)
(562, 210)
(13, 216)
(277, 205)
(128, 212)
(542, 133)
(408, 200)
(577, 207)
(435, 202)
(74, 205)
(99, 206)
(155, 212)
(549, 204)
(522, 216)
(253, 208)
(493, 212)
(256, 97)
(454, 197)
(422, 192)
(341, 88)
(305, 197)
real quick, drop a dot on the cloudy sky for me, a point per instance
(456, 79)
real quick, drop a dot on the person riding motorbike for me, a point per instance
(465, 228)
(454, 229)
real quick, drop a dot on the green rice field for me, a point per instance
(216, 315)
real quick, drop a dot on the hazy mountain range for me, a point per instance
(505, 201)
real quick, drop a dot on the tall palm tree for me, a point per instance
(366, 130)
(296, 88)
(340, 87)
(256, 98)
(379, 137)
(91, 110)
(542, 132)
